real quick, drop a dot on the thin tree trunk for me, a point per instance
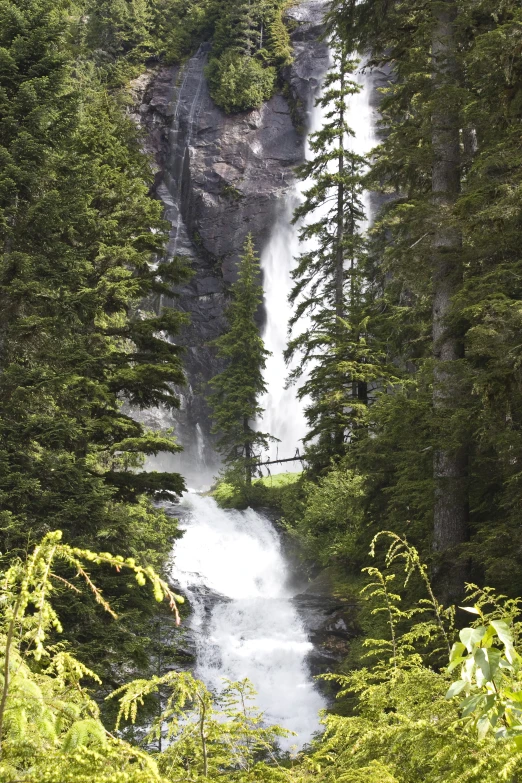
(339, 242)
(450, 521)
(248, 454)
(339, 261)
(203, 736)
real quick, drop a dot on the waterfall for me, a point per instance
(283, 416)
(231, 566)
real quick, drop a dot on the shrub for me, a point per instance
(239, 83)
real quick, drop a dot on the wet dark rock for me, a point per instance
(331, 623)
(185, 642)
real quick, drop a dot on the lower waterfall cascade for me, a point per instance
(231, 566)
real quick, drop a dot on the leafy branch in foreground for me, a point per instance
(28, 617)
(405, 721)
(490, 677)
(206, 734)
(400, 549)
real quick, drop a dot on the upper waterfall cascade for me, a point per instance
(284, 416)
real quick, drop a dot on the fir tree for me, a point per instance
(329, 277)
(80, 236)
(251, 41)
(236, 390)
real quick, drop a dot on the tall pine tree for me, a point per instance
(328, 294)
(236, 390)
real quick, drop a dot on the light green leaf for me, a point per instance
(515, 696)
(470, 704)
(503, 632)
(472, 636)
(457, 650)
(482, 662)
(483, 726)
(456, 688)
(470, 609)
(493, 655)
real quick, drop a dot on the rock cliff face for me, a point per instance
(221, 177)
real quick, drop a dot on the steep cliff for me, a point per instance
(221, 177)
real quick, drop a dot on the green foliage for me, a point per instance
(490, 677)
(281, 492)
(251, 42)
(210, 736)
(329, 524)
(49, 726)
(239, 82)
(79, 238)
(236, 390)
(338, 361)
(406, 723)
(396, 437)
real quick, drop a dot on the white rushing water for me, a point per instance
(283, 416)
(252, 629)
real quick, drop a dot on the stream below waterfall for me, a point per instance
(231, 566)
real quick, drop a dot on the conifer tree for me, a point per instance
(447, 157)
(251, 41)
(79, 240)
(329, 279)
(450, 517)
(236, 390)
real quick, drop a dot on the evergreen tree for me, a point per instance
(448, 257)
(423, 257)
(79, 234)
(450, 514)
(329, 278)
(236, 390)
(251, 41)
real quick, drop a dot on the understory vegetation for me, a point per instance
(411, 716)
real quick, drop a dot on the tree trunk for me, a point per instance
(339, 435)
(450, 521)
(339, 261)
(248, 454)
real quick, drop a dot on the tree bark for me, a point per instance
(248, 454)
(450, 523)
(339, 261)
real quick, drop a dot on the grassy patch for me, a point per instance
(270, 491)
(278, 480)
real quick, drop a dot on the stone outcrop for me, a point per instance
(220, 177)
(331, 622)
